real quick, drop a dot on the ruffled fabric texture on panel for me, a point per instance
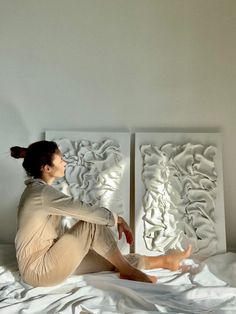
(179, 201)
(93, 173)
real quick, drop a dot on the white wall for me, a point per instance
(115, 65)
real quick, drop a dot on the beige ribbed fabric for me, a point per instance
(45, 257)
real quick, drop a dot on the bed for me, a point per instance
(209, 287)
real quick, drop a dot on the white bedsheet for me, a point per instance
(210, 287)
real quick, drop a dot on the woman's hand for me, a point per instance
(122, 226)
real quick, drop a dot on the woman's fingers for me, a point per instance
(129, 237)
(124, 227)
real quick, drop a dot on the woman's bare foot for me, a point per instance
(170, 261)
(137, 275)
(173, 260)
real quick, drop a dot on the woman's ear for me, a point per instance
(45, 168)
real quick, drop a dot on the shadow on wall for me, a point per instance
(13, 132)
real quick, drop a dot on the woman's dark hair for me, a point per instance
(36, 156)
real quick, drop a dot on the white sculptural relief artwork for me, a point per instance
(179, 197)
(94, 172)
(179, 202)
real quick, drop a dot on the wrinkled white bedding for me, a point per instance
(210, 287)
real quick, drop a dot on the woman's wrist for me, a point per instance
(120, 220)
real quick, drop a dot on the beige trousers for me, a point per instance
(82, 249)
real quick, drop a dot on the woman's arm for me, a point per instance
(57, 203)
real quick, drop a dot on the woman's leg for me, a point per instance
(170, 261)
(127, 271)
(65, 256)
(92, 263)
(105, 245)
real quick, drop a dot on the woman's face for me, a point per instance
(57, 170)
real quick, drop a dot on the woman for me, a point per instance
(45, 256)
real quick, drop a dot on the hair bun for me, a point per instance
(18, 152)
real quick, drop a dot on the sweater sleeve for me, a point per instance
(57, 203)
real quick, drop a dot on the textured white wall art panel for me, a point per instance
(179, 193)
(97, 171)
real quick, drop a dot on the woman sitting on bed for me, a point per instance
(45, 256)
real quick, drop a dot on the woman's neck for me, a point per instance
(47, 178)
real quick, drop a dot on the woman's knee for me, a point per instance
(81, 227)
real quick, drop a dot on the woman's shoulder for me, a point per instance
(48, 192)
(34, 182)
